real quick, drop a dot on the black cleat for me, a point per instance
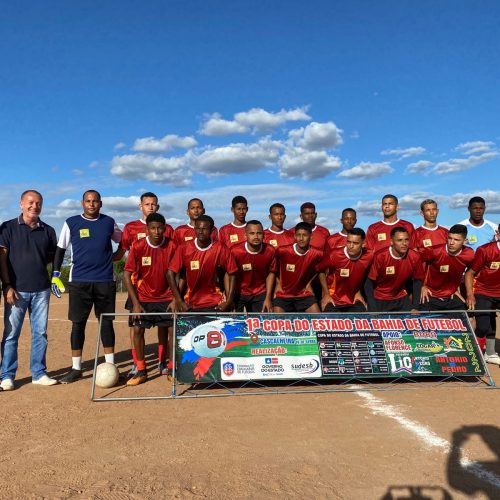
(72, 376)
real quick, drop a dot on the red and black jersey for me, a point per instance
(390, 273)
(345, 274)
(486, 265)
(136, 230)
(378, 235)
(201, 266)
(253, 268)
(278, 238)
(186, 232)
(319, 237)
(296, 270)
(149, 265)
(444, 272)
(337, 240)
(425, 237)
(230, 234)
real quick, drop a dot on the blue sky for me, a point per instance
(324, 101)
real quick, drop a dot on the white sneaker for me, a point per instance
(44, 380)
(7, 384)
(494, 359)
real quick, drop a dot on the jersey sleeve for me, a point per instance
(228, 261)
(479, 260)
(131, 263)
(117, 233)
(64, 237)
(176, 264)
(373, 274)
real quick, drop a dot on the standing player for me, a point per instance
(319, 234)
(378, 235)
(297, 268)
(430, 234)
(257, 268)
(347, 269)
(482, 282)
(91, 281)
(186, 232)
(392, 267)
(276, 235)
(201, 260)
(234, 232)
(480, 230)
(132, 232)
(149, 292)
(445, 266)
(348, 221)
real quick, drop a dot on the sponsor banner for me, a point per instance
(259, 347)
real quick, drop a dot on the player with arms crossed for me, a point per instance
(234, 232)
(186, 232)
(297, 268)
(201, 260)
(429, 234)
(149, 292)
(482, 282)
(347, 269)
(257, 268)
(276, 235)
(348, 221)
(480, 230)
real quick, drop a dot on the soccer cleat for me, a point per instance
(162, 368)
(7, 384)
(72, 376)
(132, 372)
(494, 359)
(170, 375)
(139, 378)
(44, 380)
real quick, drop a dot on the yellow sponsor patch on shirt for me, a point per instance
(146, 261)
(381, 236)
(444, 269)
(233, 238)
(188, 238)
(390, 270)
(140, 236)
(472, 238)
(274, 243)
(290, 267)
(495, 265)
(84, 233)
(247, 267)
(344, 273)
(427, 243)
(195, 265)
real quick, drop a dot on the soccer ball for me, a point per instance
(208, 341)
(106, 375)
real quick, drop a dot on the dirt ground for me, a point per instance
(431, 441)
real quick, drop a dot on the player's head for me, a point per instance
(195, 208)
(254, 233)
(457, 237)
(239, 207)
(390, 205)
(31, 204)
(400, 240)
(277, 215)
(348, 219)
(149, 204)
(429, 210)
(203, 227)
(476, 207)
(355, 241)
(308, 213)
(303, 233)
(91, 204)
(155, 225)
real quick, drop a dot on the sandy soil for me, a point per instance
(56, 443)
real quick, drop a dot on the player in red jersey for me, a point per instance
(257, 268)
(276, 235)
(132, 232)
(392, 267)
(348, 221)
(186, 232)
(234, 232)
(379, 234)
(445, 266)
(430, 233)
(347, 269)
(320, 234)
(149, 292)
(482, 282)
(297, 268)
(201, 259)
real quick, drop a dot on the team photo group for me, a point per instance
(247, 265)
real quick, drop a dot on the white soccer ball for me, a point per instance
(208, 341)
(106, 375)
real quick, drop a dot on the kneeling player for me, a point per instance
(150, 293)
(297, 267)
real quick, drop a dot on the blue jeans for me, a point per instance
(37, 303)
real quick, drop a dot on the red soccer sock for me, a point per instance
(162, 353)
(134, 356)
(170, 364)
(141, 364)
(482, 343)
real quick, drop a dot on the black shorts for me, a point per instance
(445, 304)
(82, 296)
(356, 307)
(486, 322)
(294, 304)
(249, 303)
(402, 304)
(153, 320)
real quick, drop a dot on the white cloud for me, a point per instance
(77, 172)
(367, 170)
(317, 136)
(166, 143)
(419, 167)
(474, 147)
(355, 135)
(255, 120)
(93, 164)
(298, 162)
(120, 145)
(405, 152)
(492, 198)
(454, 165)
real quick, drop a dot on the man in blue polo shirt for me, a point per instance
(479, 230)
(91, 281)
(27, 248)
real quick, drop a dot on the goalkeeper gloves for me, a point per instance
(57, 285)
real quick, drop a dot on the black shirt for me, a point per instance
(30, 250)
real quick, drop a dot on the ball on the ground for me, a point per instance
(208, 341)
(106, 375)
